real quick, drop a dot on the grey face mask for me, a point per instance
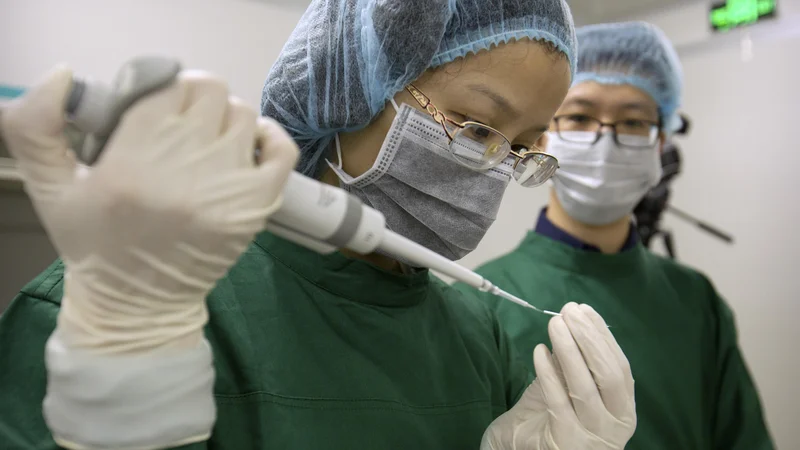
(423, 192)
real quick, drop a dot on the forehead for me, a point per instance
(531, 79)
(609, 97)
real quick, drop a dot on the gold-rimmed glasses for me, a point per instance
(481, 147)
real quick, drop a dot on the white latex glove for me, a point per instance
(589, 405)
(144, 235)
(173, 202)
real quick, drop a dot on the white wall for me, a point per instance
(235, 39)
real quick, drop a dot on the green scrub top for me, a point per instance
(693, 390)
(311, 352)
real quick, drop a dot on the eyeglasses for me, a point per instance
(481, 147)
(633, 133)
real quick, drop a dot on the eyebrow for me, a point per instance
(635, 106)
(498, 99)
(579, 102)
(630, 106)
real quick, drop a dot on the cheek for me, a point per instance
(542, 141)
(360, 148)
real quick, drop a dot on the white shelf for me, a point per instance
(9, 175)
(8, 170)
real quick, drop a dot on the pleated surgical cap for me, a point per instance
(347, 58)
(634, 53)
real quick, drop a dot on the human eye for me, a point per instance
(635, 124)
(576, 122)
(577, 118)
(474, 128)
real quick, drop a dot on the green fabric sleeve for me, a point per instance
(739, 422)
(24, 329)
(518, 377)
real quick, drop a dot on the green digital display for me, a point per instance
(735, 13)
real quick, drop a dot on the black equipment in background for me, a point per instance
(651, 208)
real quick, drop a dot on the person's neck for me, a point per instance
(382, 261)
(608, 238)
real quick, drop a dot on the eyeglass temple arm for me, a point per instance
(428, 105)
(421, 98)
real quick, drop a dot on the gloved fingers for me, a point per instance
(278, 152)
(149, 113)
(559, 371)
(612, 343)
(275, 143)
(240, 129)
(33, 127)
(607, 375)
(553, 391)
(206, 103)
(582, 386)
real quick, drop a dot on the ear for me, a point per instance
(662, 140)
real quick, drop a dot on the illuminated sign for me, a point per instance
(735, 13)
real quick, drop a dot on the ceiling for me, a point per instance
(584, 11)
(596, 11)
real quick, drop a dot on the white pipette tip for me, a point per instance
(497, 291)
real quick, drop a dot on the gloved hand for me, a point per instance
(144, 235)
(171, 205)
(582, 398)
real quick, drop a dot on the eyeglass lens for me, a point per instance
(479, 147)
(482, 148)
(584, 129)
(534, 169)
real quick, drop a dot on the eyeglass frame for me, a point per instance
(426, 103)
(613, 126)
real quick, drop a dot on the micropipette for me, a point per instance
(313, 214)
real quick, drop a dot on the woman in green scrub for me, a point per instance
(693, 390)
(112, 347)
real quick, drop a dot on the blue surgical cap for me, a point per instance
(347, 58)
(634, 53)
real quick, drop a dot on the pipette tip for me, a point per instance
(499, 292)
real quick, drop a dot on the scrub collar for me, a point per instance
(547, 228)
(349, 278)
(585, 263)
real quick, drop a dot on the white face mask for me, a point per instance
(600, 183)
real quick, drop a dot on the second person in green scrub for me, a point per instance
(693, 389)
(423, 109)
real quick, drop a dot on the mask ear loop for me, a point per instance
(338, 149)
(339, 146)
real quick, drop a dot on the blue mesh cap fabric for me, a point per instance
(346, 58)
(635, 53)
